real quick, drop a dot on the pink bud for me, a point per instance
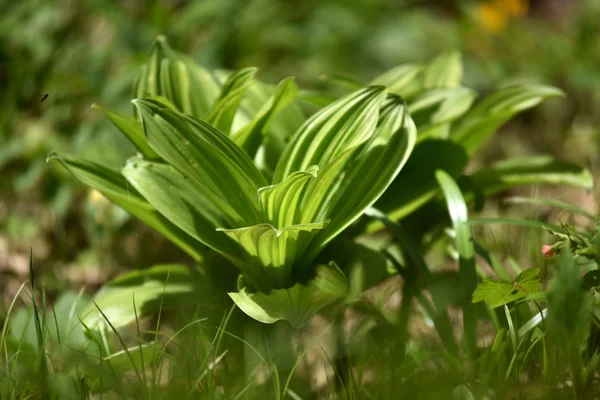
(547, 250)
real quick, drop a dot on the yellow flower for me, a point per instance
(494, 14)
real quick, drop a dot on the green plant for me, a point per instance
(210, 144)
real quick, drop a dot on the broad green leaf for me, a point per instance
(530, 170)
(496, 294)
(377, 163)
(167, 286)
(184, 202)
(132, 129)
(343, 125)
(226, 106)
(281, 203)
(251, 136)
(569, 307)
(175, 76)
(415, 185)
(114, 186)
(457, 208)
(201, 152)
(298, 304)
(403, 80)
(481, 121)
(445, 71)
(434, 107)
(120, 362)
(271, 253)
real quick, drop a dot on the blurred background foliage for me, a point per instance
(81, 52)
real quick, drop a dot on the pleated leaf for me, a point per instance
(203, 153)
(132, 129)
(445, 71)
(486, 117)
(345, 124)
(114, 186)
(184, 202)
(271, 252)
(251, 136)
(227, 104)
(280, 203)
(298, 304)
(379, 162)
(178, 78)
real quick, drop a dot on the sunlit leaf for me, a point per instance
(481, 121)
(497, 294)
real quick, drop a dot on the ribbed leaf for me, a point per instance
(379, 162)
(343, 125)
(205, 154)
(226, 106)
(434, 107)
(250, 136)
(271, 252)
(496, 294)
(298, 304)
(183, 202)
(479, 123)
(530, 170)
(114, 186)
(445, 71)
(403, 80)
(132, 129)
(280, 203)
(173, 75)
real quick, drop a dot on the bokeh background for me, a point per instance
(81, 52)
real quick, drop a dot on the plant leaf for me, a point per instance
(226, 106)
(250, 136)
(205, 154)
(529, 170)
(271, 252)
(403, 80)
(343, 125)
(132, 129)
(298, 304)
(378, 163)
(184, 202)
(114, 186)
(497, 294)
(177, 283)
(445, 71)
(173, 75)
(482, 120)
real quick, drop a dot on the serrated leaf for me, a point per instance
(376, 165)
(184, 202)
(173, 75)
(298, 304)
(132, 129)
(201, 152)
(343, 125)
(482, 120)
(114, 186)
(271, 252)
(250, 136)
(226, 106)
(497, 294)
